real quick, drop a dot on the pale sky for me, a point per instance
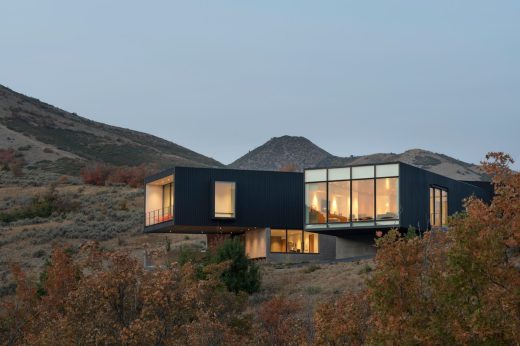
(222, 77)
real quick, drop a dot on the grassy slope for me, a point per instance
(112, 216)
(67, 136)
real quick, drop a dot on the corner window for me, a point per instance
(438, 207)
(294, 241)
(225, 199)
(316, 203)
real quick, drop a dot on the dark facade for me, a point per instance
(414, 195)
(322, 214)
(412, 201)
(263, 199)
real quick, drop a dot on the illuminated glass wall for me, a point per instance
(352, 196)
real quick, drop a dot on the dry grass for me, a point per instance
(305, 280)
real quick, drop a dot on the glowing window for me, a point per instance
(438, 207)
(339, 201)
(225, 199)
(387, 199)
(315, 203)
(363, 200)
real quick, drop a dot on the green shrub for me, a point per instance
(41, 206)
(242, 274)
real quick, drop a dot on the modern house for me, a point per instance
(320, 214)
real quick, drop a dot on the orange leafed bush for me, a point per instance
(108, 298)
(102, 174)
(455, 287)
(12, 160)
(279, 323)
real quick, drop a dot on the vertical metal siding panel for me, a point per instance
(263, 199)
(414, 191)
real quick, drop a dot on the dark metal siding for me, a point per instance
(414, 194)
(263, 199)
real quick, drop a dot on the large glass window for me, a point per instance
(294, 241)
(363, 200)
(315, 203)
(444, 207)
(387, 194)
(356, 195)
(310, 242)
(225, 199)
(339, 201)
(438, 207)
(167, 196)
(278, 240)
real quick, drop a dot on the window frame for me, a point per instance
(326, 198)
(213, 194)
(287, 252)
(432, 210)
(352, 223)
(376, 219)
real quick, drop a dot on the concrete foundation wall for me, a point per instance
(355, 246)
(256, 244)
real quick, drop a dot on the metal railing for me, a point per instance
(157, 216)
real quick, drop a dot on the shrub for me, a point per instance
(108, 298)
(311, 268)
(103, 174)
(12, 160)
(279, 322)
(242, 273)
(40, 206)
(455, 287)
(96, 175)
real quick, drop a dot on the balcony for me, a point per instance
(155, 217)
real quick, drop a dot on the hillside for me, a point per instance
(434, 162)
(302, 153)
(56, 140)
(282, 151)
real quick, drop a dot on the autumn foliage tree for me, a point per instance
(108, 298)
(12, 160)
(455, 287)
(103, 174)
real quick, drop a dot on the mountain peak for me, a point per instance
(280, 152)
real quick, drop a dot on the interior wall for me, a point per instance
(256, 246)
(153, 197)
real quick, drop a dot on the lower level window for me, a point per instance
(294, 241)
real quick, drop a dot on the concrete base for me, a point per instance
(355, 246)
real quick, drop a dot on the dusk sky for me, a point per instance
(222, 77)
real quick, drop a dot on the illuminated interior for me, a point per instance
(339, 201)
(159, 201)
(316, 203)
(358, 196)
(363, 200)
(225, 199)
(294, 241)
(387, 199)
(438, 207)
